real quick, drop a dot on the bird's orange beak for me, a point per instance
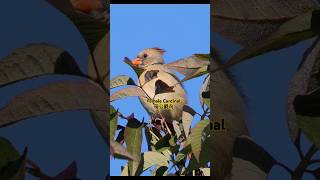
(137, 61)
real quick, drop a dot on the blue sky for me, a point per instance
(181, 30)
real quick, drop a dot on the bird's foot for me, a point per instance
(163, 124)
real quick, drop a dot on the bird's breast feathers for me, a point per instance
(165, 93)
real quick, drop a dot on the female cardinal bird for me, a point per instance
(166, 95)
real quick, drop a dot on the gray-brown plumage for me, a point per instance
(161, 84)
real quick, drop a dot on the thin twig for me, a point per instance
(285, 167)
(304, 163)
(297, 144)
(98, 80)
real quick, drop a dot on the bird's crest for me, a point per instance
(162, 51)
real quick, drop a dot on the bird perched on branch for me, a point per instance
(166, 95)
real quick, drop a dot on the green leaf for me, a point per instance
(101, 122)
(36, 60)
(205, 171)
(152, 158)
(55, 97)
(203, 57)
(133, 139)
(176, 127)
(113, 122)
(15, 169)
(199, 135)
(304, 81)
(149, 159)
(101, 56)
(310, 127)
(118, 151)
(92, 30)
(199, 72)
(189, 65)
(9, 155)
(290, 33)
(250, 161)
(128, 92)
(248, 23)
(136, 69)
(187, 117)
(121, 81)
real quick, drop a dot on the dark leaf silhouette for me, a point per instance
(247, 22)
(290, 33)
(120, 137)
(14, 169)
(308, 105)
(55, 97)
(10, 160)
(315, 23)
(250, 161)
(69, 173)
(162, 87)
(36, 60)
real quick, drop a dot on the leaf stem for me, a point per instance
(36, 171)
(285, 167)
(99, 79)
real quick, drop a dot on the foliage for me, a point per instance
(89, 93)
(261, 28)
(166, 151)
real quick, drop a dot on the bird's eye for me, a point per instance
(145, 55)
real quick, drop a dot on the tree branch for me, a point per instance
(297, 144)
(302, 166)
